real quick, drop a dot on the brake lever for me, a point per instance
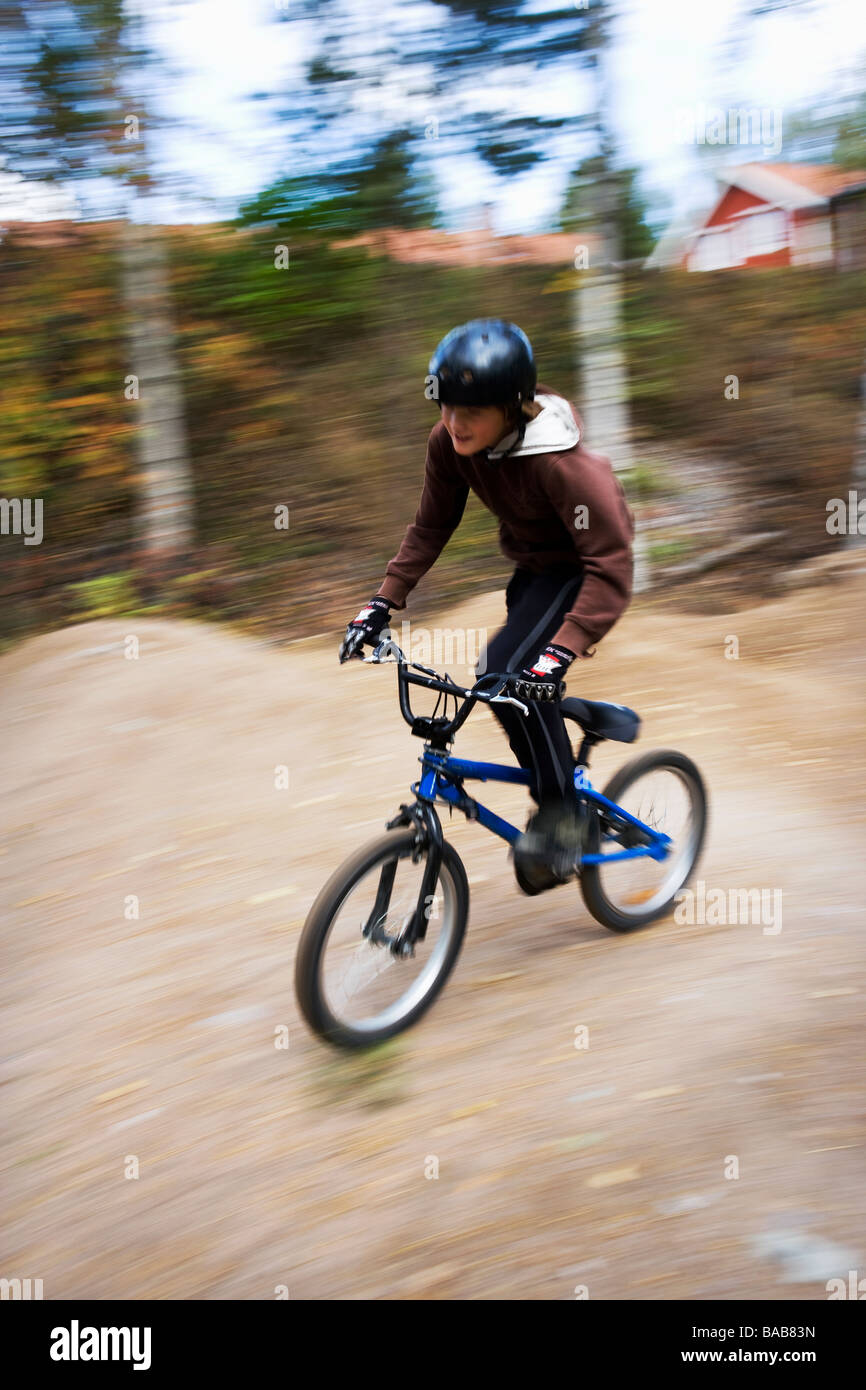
(383, 650)
(509, 700)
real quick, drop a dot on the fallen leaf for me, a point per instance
(472, 1109)
(122, 1091)
(612, 1177)
(269, 896)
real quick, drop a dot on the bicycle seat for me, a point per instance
(602, 719)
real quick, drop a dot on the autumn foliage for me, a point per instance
(304, 389)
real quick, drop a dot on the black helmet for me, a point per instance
(484, 362)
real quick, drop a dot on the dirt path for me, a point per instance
(151, 1038)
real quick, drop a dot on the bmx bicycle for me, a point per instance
(385, 931)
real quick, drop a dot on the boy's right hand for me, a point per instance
(367, 627)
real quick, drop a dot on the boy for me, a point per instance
(565, 524)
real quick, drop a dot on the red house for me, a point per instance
(776, 214)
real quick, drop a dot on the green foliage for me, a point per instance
(64, 94)
(453, 51)
(668, 551)
(579, 207)
(646, 481)
(385, 190)
(832, 131)
(379, 188)
(375, 1078)
(108, 596)
(793, 339)
(65, 427)
(304, 206)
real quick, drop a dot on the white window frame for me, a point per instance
(764, 232)
(715, 248)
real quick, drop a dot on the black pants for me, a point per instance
(536, 605)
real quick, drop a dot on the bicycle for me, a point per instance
(377, 941)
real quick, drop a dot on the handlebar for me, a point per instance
(388, 649)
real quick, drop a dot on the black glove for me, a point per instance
(367, 627)
(541, 680)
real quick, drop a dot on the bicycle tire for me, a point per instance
(314, 936)
(591, 885)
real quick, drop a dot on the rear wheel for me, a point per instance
(665, 791)
(353, 990)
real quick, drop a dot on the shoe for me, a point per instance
(535, 879)
(548, 852)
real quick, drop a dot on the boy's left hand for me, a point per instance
(540, 680)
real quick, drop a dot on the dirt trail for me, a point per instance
(153, 1037)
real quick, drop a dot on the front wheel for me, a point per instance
(665, 791)
(353, 990)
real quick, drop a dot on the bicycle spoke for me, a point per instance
(365, 983)
(663, 800)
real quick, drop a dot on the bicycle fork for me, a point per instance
(428, 835)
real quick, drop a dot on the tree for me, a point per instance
(446, 69)
(380, 187)
(636, 239)
(421, 93)
(73, 110)
(833, 131)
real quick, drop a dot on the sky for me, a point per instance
(674, 63)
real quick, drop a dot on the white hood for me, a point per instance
(553, 431)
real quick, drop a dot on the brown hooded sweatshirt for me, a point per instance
(563, 507)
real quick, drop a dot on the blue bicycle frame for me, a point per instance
(442, 780)
(443, 775)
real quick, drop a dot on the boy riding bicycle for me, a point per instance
(565, 524)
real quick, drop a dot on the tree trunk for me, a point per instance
(599, 338)
(858, 479)
(164, 521)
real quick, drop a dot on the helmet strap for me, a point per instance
(512, 441)
(508, 443)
